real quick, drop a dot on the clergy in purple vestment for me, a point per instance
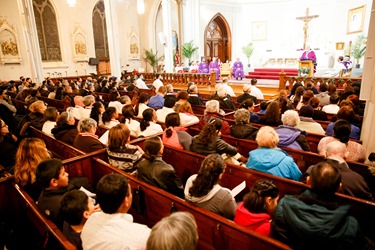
(238, 69)
(203, 67)
(309, 54)
(214, 67)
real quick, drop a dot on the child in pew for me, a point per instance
(76, 208)
(203, 189)
(55, 182)
(50, 115)
(177, 231)
(257, 207)
(120, 153)
(157, 172)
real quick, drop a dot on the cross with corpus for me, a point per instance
(306, 19)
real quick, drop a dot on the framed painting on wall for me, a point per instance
(259, 31)
(9, 49)
(356, 20)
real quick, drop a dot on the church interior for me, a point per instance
(82, 39)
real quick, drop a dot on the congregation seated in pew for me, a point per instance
(148, 125)
(174, 135)
(243, 127)
(213, 111)
(86, 139)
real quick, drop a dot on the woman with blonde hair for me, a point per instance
(270, 159)
(203, 189)
(30, 153)
(35, 118)
(120, 153)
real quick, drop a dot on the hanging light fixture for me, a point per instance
(141, 6)
(71, 3)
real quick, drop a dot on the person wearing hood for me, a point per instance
(270, 159)
(203, 189)
(313, 219)
(289, 135)
(257, 207)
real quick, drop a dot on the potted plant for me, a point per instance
(248, 51)
(152, 59)
(188, 50)
(304, 71)
(359, 49)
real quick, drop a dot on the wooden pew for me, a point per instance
(58, 148)
(215, 232)
(22, 107)
(60, 105)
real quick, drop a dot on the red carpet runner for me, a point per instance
(271, 73)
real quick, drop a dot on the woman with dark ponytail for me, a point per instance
(257, 207)
(109, 117)
(174, 135)
(141, 104)
(341, 132)
(208, 141)
(153, 170)
(148, 124)
(203, 189)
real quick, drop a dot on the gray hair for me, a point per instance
(242, 116)
(87, 100)
(124, 99)
(86, 125)
(290, 118)
(193, 89)
(222, 92)
(169, 88)
(212, 106)
(177, 231)
(267, 137)
(336, 148)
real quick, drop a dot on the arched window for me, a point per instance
(48, 34)
(100, 31)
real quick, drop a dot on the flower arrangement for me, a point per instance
(303, 71)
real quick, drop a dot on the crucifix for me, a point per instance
(306, 19)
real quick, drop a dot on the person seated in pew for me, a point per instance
(224, 101)
(30, 153)
(284, 104)
(270, 159)
(153, 170)
(307, 123)
(32, 97)
(246, 95)
(323, 96)
(65, 129)
(248, 104)
(289, 135)
(170, 93)
(141, 104)
(168, 108)
(332, 107)
(174, 135)
(114, 100)
(346, 113)
(318, 114)
(305, 99)
(96, 112)
(76, 207)
(182, 102)
(177, 231)
(54, 180)
(148, 125)
(50, 116)
(109, 117)
(353, 183)
(113, 228)
(89, 102)
(194, 98)
(35, 118)
(128, 118)
(263, 107)
(213, 111)
(272, 115)
(121, 154)
(314, 219)
(78, 108)
(203, 189)
(157, 101)
(243, 129)
(86, 140)
(187, 116)
(8, 146)
(341, 132)
(257, 207)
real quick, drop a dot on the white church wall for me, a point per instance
(9, 11)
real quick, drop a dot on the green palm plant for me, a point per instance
(359, 48)
(152, 59)
(188, 50)
(248, 50)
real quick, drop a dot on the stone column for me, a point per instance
(31, 37)
(113, 38)
(167, 30)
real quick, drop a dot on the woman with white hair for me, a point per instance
(270, 159)
(243, 128)
(86, 140)
(213, 110)
(289, 135)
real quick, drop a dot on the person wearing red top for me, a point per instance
(257, 207)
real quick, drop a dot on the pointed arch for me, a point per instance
(218, 39)
(48, 34)
(100, 30)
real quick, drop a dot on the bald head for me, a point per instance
(78, 100)
(336, 148)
